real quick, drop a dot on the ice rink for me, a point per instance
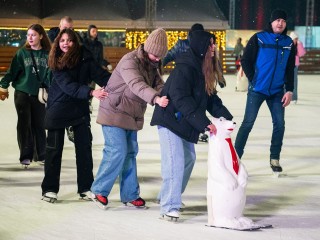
(290, 203)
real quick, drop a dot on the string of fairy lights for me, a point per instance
(134, 38)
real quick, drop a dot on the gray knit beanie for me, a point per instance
(157, 43)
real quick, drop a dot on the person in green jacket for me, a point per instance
(22, 75)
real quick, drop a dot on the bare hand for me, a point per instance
(4, 93)
(286, 99)
(212, 129)
(99, 93)
(162, 101)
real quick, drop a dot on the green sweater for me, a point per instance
(22, 74)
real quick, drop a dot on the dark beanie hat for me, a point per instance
(197, 27)
(200, 41)
(278, 13)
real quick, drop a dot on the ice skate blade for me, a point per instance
(100, 205)
(25, 166)
(252, 228)
(49, 199)
(87, 199)
(169, 218)
(133, 206)
(87, 196)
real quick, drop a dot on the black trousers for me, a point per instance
(31, 134)
(83, 149)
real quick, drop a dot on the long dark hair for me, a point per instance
(44, 41)
(59, 60)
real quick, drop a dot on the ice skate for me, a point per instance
(50, 197)
(87, 196)
(70, 133)
(171, 216)
(203, 138)
(100, 201)
(139, 203)
(276, 168)
(25, 163)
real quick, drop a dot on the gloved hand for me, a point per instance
(4, 93)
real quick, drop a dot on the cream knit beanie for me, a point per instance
(157, 43)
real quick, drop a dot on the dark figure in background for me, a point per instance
(238, 52)
(268, 62)
(65, 22)
(91, 42)
(181, 46)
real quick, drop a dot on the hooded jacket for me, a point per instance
(268, 62)
(95, 47)
(69, 92)
(185, 114)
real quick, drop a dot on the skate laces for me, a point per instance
(274, 163)
(139, 202)
(102, 199)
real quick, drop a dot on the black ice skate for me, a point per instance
(25, 163)
(50, 197)
(171, 216)
(70, 133)
(203, 137)
(275, 166)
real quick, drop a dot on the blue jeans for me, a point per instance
(177, 161)
(254, 101)
(119, 159)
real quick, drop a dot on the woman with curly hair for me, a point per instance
(73, 67)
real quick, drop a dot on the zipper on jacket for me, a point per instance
(277, 39)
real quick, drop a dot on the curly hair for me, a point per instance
(59, 60)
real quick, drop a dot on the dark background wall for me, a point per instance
(255, 14)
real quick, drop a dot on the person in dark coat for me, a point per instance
(182, 46)
(73, 67)
(91, 42)
(191, 90)
(65, 22)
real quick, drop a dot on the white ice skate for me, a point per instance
(87, 196)
(25, 163)
(172, 216)
(50, 197)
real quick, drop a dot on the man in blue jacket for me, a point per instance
(268, 62)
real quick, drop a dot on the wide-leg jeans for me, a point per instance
(177, 161)
(119, 159)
